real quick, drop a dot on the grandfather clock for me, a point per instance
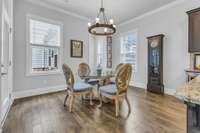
(155, 64)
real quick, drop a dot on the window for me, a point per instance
(128, 51)
(44, 46)
(102, 51)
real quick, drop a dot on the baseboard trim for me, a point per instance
(139, 85)
(38, 91)
(168, 91)
(11, 99)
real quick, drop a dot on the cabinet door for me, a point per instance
(194, 32)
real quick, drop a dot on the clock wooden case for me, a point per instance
(155, 64)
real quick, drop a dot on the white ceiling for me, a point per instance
(119, 10)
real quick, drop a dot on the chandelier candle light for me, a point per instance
(101, 26)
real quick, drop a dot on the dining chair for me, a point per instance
(118, 90)
(75, 89)
(84, 71)
(118, 67)
(112, 80)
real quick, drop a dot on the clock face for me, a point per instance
(154, 43)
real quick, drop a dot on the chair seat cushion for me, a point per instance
(112, 80)
(81, 86)
(110, 89)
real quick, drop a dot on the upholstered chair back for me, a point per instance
(69, 77)
(118, 67)
(123, 77)
(83, 70)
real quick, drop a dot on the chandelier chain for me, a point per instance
(101, 3)
(105, 18)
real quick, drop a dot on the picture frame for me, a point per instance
(197, 61)
(76, 48)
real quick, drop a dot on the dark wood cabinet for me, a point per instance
(155, 64)
(193, 117)
(194, 30)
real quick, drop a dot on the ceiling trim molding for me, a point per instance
(167, 6)
(59, 9)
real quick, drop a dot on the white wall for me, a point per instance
(172, 21)
(74, 28)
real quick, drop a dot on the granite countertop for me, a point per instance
(190, 92)
(192, 70)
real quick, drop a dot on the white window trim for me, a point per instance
(126, 33)
(28, 47)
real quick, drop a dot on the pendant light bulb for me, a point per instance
(97, 20)
(105, 29)
(111, 21)
(89, 24)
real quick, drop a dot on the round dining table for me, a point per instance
(98, 80)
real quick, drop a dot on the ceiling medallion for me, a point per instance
(101, 26)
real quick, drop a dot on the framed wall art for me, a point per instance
(76, 49)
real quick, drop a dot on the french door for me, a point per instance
(6, 58)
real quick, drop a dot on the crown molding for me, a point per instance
(167, 6)
(40, 3)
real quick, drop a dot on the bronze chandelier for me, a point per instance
(101, 26)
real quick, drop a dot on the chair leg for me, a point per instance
(117, 107)
(100, 100)
(66, 99)
(82, 98)
(128, 103)
(71, 103)
(91, 97)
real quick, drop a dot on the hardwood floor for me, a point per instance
(151, 113)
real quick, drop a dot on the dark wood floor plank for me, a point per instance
(151, 113)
